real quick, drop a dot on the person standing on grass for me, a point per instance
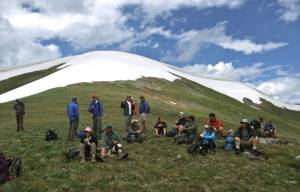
(73, 113)
(144, 111)
(96, 110)
(127, 113)
(19, 108)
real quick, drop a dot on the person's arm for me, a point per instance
(23, 108)
(101, 109)
(192, 127)
(76, 111)
(122, 104)
(210, 136)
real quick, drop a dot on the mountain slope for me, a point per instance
(158, 164)
(112, 66)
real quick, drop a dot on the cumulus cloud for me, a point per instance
(290, 10)
(19, 48)
(286, 89)
(228, 71)
(191, 42)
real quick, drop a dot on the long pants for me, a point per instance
(19, 122)
(127, 120)
(97, 126)
(83, 149)
(73, 130)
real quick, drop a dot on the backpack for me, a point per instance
(15, 167)
(51, 135)
(148, 109)
(229, 143)
(134, 137)
(72, 154)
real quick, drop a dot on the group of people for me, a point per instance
(109, 138)
(246, 136)
(185, 129)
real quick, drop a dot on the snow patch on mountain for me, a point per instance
(112, 66)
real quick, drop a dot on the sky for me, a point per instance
(253, 41)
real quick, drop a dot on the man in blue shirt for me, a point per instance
(73, 113)
(144, 111)
(96, 110)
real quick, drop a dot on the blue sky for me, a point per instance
(254, 41)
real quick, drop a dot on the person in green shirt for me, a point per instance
(110, 142)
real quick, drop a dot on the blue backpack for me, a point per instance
(229, 143)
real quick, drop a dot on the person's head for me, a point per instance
(181, 114)
(230, 132)
(142, 98)
(260, 119)
(17, 101)
(88, 131)
(212, 116)
(244, 123)
(74, 99)
(208, 128)
(108, 128)
(160, 119)
(127, 98)
(94, 97)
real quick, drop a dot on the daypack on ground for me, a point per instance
(72, 154)
(51, 135)
(134, 137)
(15, 167)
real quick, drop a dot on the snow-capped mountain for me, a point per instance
(112, 66)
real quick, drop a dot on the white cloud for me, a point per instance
(191, 42)
(227, 71)
(86, 24)
(20, 48)
(286, 89)
(290, 11)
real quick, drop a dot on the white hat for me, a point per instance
(181, 113)
(206, 126)
(244, 121)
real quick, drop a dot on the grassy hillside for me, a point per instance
(153, 165)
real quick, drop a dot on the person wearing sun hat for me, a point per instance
(245, 136)
(88, 143)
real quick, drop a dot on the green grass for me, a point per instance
(153, 165)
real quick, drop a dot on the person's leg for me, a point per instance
(18, 122)
(103, 152)
(237, 143)
(93, 151)
(157, 132)
(99, 123)
(220, 131)
(254, 142)
(95, 126)
(82, 152)
(21, 122)
(75, 129)
(70, 131)
(165, 132)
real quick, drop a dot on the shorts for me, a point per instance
(143, 116)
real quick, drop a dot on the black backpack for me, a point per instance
(51, 135)
(15, 167)
(72, 154)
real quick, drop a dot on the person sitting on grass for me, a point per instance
(188, 133)
(179, 124)
(257, 125)
(88, 144)
(216, 123)
(111, 144)
(4, 169)
(245, 137)
(135, 132)
(269, 129)
(205, 142)
(160, 127)
(229, 141)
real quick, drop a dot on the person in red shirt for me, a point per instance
(217, 124)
